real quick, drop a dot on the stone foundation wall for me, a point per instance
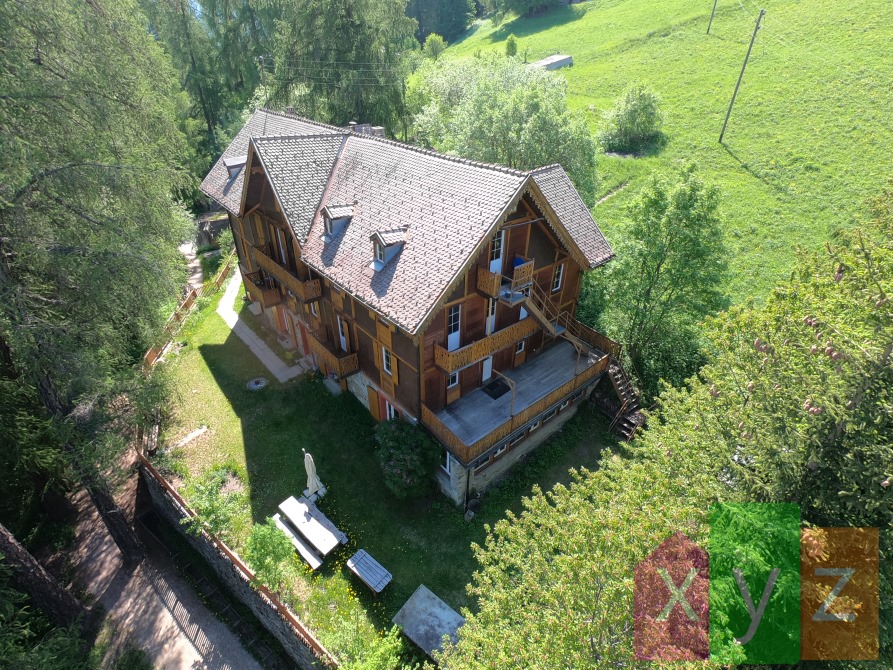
(237, 580)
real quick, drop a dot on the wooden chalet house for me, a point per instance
(435, 289)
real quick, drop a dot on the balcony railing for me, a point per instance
(468, 452)
(340, 363)
(450, 361)
(305, 290)
(491, 283)
(488, 282)
(259, 290)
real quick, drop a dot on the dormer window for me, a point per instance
(335, 217)
(234, 164)
(385, 245)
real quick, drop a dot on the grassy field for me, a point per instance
(420, 541)
(810, 135)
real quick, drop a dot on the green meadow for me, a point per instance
(810, 135)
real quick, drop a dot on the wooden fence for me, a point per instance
(301, 631)
(176, 319)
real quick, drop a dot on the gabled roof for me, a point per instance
(441, 208)
(573, 213)
(299, 169)
(228, 191)
(449, 205)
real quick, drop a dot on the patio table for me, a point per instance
(312, 524)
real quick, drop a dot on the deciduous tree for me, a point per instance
(497, 110)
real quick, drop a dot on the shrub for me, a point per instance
(633, 122)
(511, 46)
(268, 552)
(407, 456)
(225, 241)
(434, 46)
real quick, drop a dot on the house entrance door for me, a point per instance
(488, 369)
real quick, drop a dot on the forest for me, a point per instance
(112, 112)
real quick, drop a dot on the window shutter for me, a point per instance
(373, 403)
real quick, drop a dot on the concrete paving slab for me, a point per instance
(425, 619)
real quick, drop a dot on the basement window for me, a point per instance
(453, 380)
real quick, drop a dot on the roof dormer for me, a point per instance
(234, 165)
(335, 217)
(385, 245)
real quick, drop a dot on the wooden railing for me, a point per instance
(342, 365)
(591, 337)
(298, 627)
(522, 276)
(488, 282)
(450, 361)
(305, 290)
(259, 291)
(468, 452)
(151, 357)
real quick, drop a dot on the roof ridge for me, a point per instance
(296, 117)
(309, 136)
(550, 166)
(437, 154)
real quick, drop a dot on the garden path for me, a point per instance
(277, 367)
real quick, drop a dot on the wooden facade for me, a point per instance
(514, 301)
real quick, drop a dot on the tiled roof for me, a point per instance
(389, 237)
(573, 213)
(299, 171)
(228, 191)
(449, 204)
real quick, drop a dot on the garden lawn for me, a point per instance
(810, 135)
(262, 433)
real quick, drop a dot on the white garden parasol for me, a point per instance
(313, 483)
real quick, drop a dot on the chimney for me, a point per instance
(290, 110)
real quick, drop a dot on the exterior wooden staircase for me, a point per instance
(628, 418)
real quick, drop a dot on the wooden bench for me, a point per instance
(306, 552)
(369, 570)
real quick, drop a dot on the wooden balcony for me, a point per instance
(488, 282)
(305, 290)
(340, 363)
(260, 290)
(450, 361)
(476, 422)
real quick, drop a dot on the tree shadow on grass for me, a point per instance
(524, 27)
(647, 149)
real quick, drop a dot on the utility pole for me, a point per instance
(711, 16)
(741, 76)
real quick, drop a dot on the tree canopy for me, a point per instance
(793, 405)
(495, 109)
(666, 278)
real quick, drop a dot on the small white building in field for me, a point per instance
(554, 62)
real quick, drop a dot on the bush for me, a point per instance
(268, 552)
(434, 46)
(634, 122)
(408, 457)
(511, 46)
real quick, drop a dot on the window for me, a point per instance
(280, 240)
(328, 220)
(535, 425)
(379, 252)
(496, 246)
(516, 439)
(453, 380)
(390, 411)
(454, 316)
(500, 450)
(386, 360)
(566, 403)
(548, 415)
(520, 346)
(556, 279)
(446, 461)
(314, 310)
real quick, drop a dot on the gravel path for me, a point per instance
(152, 606)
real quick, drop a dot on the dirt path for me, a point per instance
(152, 606)
(193, 264)
(614, 191)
